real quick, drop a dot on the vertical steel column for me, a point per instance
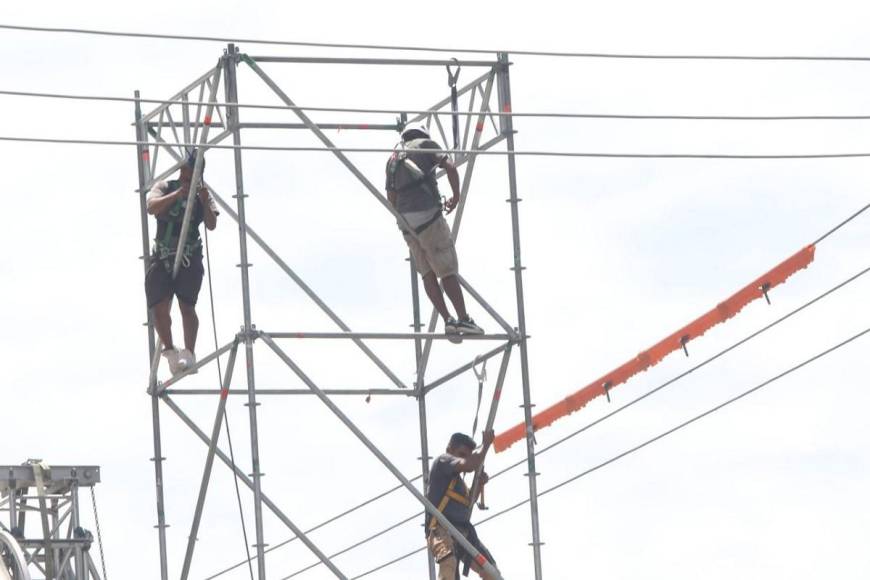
(420, 387)
(142, 163)
(75, 522)
(231, 62)
(507, 128)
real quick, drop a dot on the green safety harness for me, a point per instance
(166, 246)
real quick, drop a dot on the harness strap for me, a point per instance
(481, 378)
(452, 78)
(451, 493)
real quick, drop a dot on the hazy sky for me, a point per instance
(620, 252)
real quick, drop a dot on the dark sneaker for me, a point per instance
(467, 326)
(452, 331)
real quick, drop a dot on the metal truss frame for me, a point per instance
(51, 494)
(176, 124)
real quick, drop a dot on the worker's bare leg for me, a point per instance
(190, 322)
(433, 290)
(163, 322)
(447, 569)
(454, 292)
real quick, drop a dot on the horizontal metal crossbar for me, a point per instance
(374, 61)
(387, 335)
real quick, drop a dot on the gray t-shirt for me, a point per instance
(411, 174)
(442, 473)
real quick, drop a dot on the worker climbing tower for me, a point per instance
(206, 114)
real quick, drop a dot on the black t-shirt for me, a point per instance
(442, 473)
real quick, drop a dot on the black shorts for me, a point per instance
(159, 284)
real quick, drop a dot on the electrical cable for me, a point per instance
(645, 443)
(226, 415)
(454, 151)
(411, 48)
(399, 111)
(841, 224)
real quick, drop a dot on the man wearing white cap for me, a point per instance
(413, 190)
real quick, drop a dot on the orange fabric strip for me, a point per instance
(652, 356)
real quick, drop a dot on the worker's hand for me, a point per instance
(484, 477)
(182, 190)
(488, 437)
(451, 204)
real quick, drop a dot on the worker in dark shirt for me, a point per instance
(167, 202)
(448, 492)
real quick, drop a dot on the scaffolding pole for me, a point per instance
(420, 390)
(231, 61)
(142, 164)
(504, 105)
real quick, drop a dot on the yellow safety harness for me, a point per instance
(450, 494)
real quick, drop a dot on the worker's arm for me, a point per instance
(157, 202)
(475, 460)
(453, 179)
(209, 215)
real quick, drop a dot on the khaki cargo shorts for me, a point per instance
(441, 545)
(434, 251)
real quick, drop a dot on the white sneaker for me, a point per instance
(176, 365)
(188, 360)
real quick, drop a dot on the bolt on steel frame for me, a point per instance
(195, 122)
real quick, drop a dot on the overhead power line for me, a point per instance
(734, 156)
(631, 403)
(642, 445)
(412, 48)
(399, 111)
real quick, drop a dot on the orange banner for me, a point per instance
(652, 356)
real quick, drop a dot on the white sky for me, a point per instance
(619, 254)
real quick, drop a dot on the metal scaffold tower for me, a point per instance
(191, 117)
(55, 544)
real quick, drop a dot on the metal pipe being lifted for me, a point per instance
(197, 171)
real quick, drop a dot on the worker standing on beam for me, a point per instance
(167, 201)
(413, 191)
(448, 492)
